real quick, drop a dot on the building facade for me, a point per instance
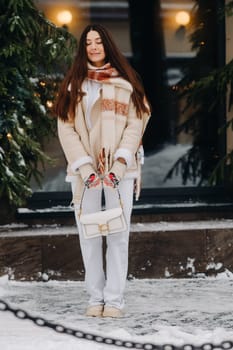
(158, 34)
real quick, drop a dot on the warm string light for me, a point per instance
(177, 88)
(49, 104)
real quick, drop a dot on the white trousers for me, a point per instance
(107, 289)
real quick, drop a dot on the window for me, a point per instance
(155, 37)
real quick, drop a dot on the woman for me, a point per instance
(102, 114)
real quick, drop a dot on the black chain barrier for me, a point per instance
(41, 322)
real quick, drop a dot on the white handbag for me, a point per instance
(103, 222)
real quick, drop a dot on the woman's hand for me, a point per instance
(89, 176)
(116, 174)
(93, 181)
(110, 180)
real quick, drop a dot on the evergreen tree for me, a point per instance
(204, 86)
(32, 51)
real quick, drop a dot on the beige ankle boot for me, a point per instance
(95, 311)
(110, 311)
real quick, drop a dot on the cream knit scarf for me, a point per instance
(116, 93)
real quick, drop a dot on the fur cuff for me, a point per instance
(85, 171)
(84, 160)
(124, 153)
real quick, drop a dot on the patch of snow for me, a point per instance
(42, 108)
(8, 171)
(22, 230)
(58, 208)
(34, 80)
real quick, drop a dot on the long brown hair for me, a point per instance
(68, 98)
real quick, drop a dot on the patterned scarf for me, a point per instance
(113, 103)
(103, 73)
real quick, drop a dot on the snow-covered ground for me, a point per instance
(159, 311)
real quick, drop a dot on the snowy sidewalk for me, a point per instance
(158, 311)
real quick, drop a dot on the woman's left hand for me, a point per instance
(116, 173)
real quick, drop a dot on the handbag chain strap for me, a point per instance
(85, 188)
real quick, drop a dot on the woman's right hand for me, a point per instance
(93, 181)
(89, 176)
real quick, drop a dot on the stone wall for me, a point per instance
(54, 252)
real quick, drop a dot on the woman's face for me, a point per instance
(95, 49)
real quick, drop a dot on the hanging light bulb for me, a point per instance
(64, 17)
(182, 18)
